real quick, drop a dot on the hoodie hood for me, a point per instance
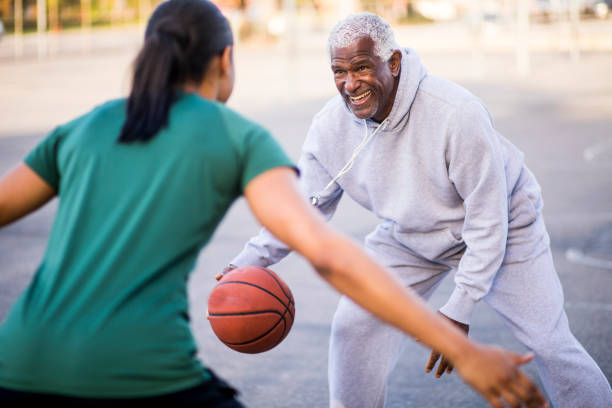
(411, 74)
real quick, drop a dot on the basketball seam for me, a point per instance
(245, 313)
(282, 318)
(259, 287)
(292, 318)
(289, 298)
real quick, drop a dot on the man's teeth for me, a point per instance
(363, 95)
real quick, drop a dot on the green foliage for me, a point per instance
(414, 18)
(67, 14)
(388, 10)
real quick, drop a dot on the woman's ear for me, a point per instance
(227, 62)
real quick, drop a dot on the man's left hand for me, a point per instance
(445, 364)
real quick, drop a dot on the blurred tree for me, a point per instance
(21, 15)
(410, 13)
(5, 9)
(54, 20)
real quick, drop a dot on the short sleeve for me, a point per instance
(262, 153)
(43, 159)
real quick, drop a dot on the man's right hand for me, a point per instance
(495, 374)
(228, 268)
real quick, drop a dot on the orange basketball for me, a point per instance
(251, 309)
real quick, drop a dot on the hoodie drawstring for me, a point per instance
(314, 200)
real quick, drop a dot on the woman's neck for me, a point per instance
(206, 89)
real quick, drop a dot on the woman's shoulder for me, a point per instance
(109, 110)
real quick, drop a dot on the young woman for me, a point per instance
(142, 184)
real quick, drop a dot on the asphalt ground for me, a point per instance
(560, 116)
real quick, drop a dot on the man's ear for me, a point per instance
(226, 61)
(395, 63)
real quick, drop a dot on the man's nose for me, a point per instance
(352, 83)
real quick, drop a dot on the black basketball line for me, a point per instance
(282, 319)
(245, 313)
(259, 287)
(287, 328)
(290, 298)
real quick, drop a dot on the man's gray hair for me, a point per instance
(356, 26)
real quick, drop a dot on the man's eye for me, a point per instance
(338, 72)
(363, 68)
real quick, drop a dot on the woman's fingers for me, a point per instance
(511, 399)
(517, 390)
(493, 399)
(523, 387)
(528, 391)
(496, 374)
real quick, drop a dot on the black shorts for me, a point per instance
(213, 393)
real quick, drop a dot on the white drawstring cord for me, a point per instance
(366, 139)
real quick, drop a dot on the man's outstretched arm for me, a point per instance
(264, 249)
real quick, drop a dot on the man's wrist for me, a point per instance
(459, 306)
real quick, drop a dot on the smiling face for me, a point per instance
(367, 84)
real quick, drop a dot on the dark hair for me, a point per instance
(181, 38)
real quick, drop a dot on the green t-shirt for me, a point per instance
(106, 313)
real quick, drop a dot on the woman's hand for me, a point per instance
(496, 375)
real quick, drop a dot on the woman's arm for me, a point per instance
(276, 202)
(21, 192)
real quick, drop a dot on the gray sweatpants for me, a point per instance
(526, 294)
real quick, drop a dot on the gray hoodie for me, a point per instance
(446, 185)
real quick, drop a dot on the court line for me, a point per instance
(576, 255)
(591, 152)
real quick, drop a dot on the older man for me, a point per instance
(452, 194)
